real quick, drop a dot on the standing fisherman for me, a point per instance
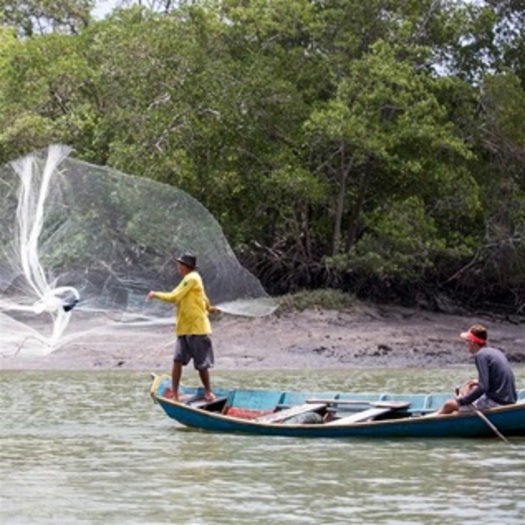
(192, 324)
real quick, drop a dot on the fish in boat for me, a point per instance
(332, 414)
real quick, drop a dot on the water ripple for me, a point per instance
(93, 448)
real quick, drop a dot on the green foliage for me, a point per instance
(329, 139)
(504, 100)
(325, 299)
(33, 17)
(401, 243)
(44, 91)
(384, 130)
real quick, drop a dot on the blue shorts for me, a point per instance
(196, 347)
(482, 403)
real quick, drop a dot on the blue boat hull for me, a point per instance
(412, 423)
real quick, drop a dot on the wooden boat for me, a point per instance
(333, 414)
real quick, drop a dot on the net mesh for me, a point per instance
(72, 232)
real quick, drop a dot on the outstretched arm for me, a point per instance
(176, 295)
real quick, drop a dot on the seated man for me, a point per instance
(495, 385)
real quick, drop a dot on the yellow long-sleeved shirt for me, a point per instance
(192, 305)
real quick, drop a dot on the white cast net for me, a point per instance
(75, 237)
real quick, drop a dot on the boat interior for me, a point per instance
(333, 408)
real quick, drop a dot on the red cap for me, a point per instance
(474, 338)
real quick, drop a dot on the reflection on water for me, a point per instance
(93, 448)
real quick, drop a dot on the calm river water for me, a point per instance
(92, 448)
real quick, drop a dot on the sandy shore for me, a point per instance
(365, 336)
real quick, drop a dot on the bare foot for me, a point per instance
(209, 396)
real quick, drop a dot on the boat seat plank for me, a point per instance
(379, 404)
(364, 415)
(281, 415)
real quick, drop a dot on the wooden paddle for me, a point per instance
(489, 423)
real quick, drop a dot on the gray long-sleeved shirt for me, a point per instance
(495, 378)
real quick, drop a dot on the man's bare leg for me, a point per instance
(205, 378)
(176, 373)
(449, 407)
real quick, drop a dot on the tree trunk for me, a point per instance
(364, 181)
(342, 178)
